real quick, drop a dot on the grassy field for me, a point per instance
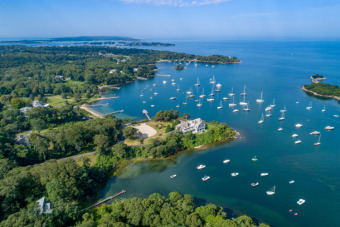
(92, 158)
(57, 100)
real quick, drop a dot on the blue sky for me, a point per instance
(172, 19)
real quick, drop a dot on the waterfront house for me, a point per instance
(195, 126)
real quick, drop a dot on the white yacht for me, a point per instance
(177, 106)
(178, 89)
(144, 101)
(232, 104)
(297, 141)
(254, 184)
(264, 174)
(295, 135)
(324, 109)
(202, 95)
(201, 167)
(154, 85)
(235, 110)
(212, 91)
(212, 80)
(279, 129)
(210, 99)
(189, 92)
(232, 92)
(198, 83)
(268, 114)
(291, 181)
(243, 103)
(309, 107)
(156, 93)
(268, 108)
(262, 119)
(173, 176)
(164, 81)
(191, 96)
(272, 105)
(282, 116)
(284, 110)
(186, 101)
(301, 201)
(226, 161)
(298, 125)
(315, 133)
(220, 107)
(205, 178)
(225, 98)
(247, 108)
(235, 174)
(328, 128)
(199, 104)
(335, 115)
(173, 98)
(260, 100)
(244, 91)
(271, 191)
(152, 105)
(318, 143)
(173, 83)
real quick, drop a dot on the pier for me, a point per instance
(145, 112)
(103, 201)
(163, 75)
(114, 112)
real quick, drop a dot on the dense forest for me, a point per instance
(157, 210)
(324, 89)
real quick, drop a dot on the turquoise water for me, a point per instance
(278, 69)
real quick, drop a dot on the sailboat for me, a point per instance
(318, 143)
(220, 107)
(247, 108)
(254, 158)
(212, 91)
(244, 91)
(212, 80)
(178, 89)
(282, 116)
(324, 109)
(218, 86)
(232, 104)
(273, 105)
(261, 121)
(191, 95)
(198, 83)
(225, 98)
(232, 92)
(243, 103)
(235, 110)
(202, 95)
(284, 109)
(260, 100)
(271, 191)
(268, 114)
(199, 104)
(186, 101)
(309, 107)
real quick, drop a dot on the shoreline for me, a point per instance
(91, 111)
(210, 62)
(316, 94)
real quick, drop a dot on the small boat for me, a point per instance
(156, 93)
(296, 214)
(152, 105)
(225, 98)
(301, 201)
(271, 191)
(244, 91)
(254, 158)
(235, 174)
(205, 178)
(141, 95)
(202, 95)
(268, 108)
(315, 133)
(191, 96)
(290, 210)
(189, 92)
(173, 176)
(247, 108)
(172, 80)
(324, 109)
(154, 85)
(298, 125)
(282, 116)
(220, 107)
(173, 83)
(186, 101)
(218, 85)
(173, 98)
(295, 135)
(243, 103)
(262, 119)
(318, 143)
(283, 110)
(232, 104)
(177, 106)
(178, 89)
(309, 107)
(181, 78)
(232, 92)
(254, 184)
(201, 167)
(198, 83)
(279, 129)
(144, 101)
(164, 81)
(260, 100)
(212, 91)
(292, 182)
(335, 115)
(210, 100)
(212, 80)
(272, 105)
(226, 161)
(235, 110)
(264, 174)
(328, 128)
(199, 104)
(150, 97)
(297, 141)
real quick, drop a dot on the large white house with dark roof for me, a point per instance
(195, 126)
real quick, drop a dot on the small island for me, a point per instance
(323, 90)
(316, 78)
(179, 67)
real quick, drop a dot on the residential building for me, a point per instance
(195, 126)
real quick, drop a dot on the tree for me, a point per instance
(101, 142)
(17, 103)
(186, 116)
(130, 133)
(38, 124)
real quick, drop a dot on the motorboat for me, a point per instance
(173, 83)
(152, 105)
(271, 191)
(218, 85)
(254, 184)
(164, 81)
(297, 141)
(279, 129)
(298, 125)
(328, 128)
(254, 158)
(235, 174)
(173, 176)
(173, 98)
(295, 135)
(156, 93)
(301, 201)
(291, 181)
(315, 133)
(205, 178)
(201, 167)
(226, 161)
(264, 174)
(335, 115)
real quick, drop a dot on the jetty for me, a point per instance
(163, 75)
(103, 201)
(114, 112)
(145, 112)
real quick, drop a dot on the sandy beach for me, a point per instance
(91, 111)
(146, 130)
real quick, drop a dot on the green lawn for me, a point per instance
(57, 100)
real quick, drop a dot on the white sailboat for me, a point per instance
(210, 99)
(186, 101)
(199, 104)
(268, 114)
(262, 119)
(324, 109)
(212, 80)
(298, 125)
(202, 95)
(273, 105)
(283, 110)
(225, 98)
(178, 89)
(232, 104)
(318, 143)
(271, 191)
(189, 92)
(220, 107)
(247, 108)
(235, 110)
(198, 83)
(244, 91)
(218, 85)
(232, 92)
(309, 107)
(282, 116)
(243, 103)
(212, 91)
(260, 100)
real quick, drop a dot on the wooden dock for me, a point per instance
(103, 201)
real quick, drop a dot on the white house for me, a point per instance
(195, 126)
(44, 208)
(36, 104)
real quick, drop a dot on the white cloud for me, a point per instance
(176, 3)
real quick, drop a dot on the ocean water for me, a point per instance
(279, 69)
